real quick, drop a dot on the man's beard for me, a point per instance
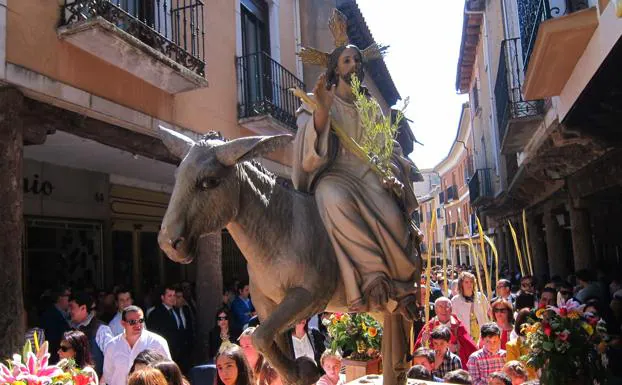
(348, 77)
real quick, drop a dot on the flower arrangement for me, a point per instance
(358, 335)
(32, 368)
(566, 344)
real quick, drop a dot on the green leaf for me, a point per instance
(27, 349)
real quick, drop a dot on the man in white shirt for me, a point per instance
(123, 349)
(123, 298)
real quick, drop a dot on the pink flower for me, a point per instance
(566, 307)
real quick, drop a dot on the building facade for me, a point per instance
(538, 70)
(85, 86)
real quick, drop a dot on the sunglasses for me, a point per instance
(564, 292)
(222, 318)
(498, 310)
(65, 348)
(133, 322)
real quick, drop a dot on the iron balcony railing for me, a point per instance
(532, 12)
(508, 87)
(452, 193)
(450, 230)
(480, 185)
(175, 28)
(263, 87)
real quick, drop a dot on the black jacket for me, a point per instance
(162, 323)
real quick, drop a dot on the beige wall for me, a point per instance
(32, 43)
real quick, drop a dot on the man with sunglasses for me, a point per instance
(123, 349)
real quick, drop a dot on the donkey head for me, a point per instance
(206, 196)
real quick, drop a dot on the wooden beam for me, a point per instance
(44, 118)
(604, 173)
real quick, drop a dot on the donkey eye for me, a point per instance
(208, 183)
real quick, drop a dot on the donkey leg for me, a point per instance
(300, 372)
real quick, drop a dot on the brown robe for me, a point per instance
(365, 224)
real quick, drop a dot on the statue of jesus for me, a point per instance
(368, 224)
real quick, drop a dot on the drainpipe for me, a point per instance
(493, 121)
(3, 9)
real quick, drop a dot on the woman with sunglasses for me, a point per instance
(75, 346)
(221, 332)
(503, 316)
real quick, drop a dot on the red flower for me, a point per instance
(547, 329)
(541, 305)
(592, 320)
(563, 336)
(82, 379)
(563, 312)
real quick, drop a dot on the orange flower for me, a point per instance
(372, 332)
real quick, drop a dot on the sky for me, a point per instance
(424, 39)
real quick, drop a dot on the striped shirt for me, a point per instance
(483, 363)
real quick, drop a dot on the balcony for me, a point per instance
(480, 187)
(517, 118)
(452, 193)
(265, 104)
(452, 229)
(554, 35)
(159, 41)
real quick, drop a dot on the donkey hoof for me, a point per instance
(308, 372)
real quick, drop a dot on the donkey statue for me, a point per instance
(291, 263)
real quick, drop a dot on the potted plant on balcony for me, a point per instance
(358, 337)
(567, 344)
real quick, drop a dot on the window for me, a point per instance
(474, 98)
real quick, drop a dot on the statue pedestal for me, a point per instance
(358, 369)
(377, 380)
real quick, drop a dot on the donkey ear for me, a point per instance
(178, 144)
(242, 149)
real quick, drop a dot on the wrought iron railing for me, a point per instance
(532, 12)
(480, 185)
(452, 193)
(263, 87)
(173, 27)
(450, 230)
(508, 87)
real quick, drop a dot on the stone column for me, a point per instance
(555, 245)
(11, 222)
(209, 288)
(581, 231)
(538, 247)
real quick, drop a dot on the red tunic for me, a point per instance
(460, 338)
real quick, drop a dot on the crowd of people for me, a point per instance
(468, 338)
(473, 339)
